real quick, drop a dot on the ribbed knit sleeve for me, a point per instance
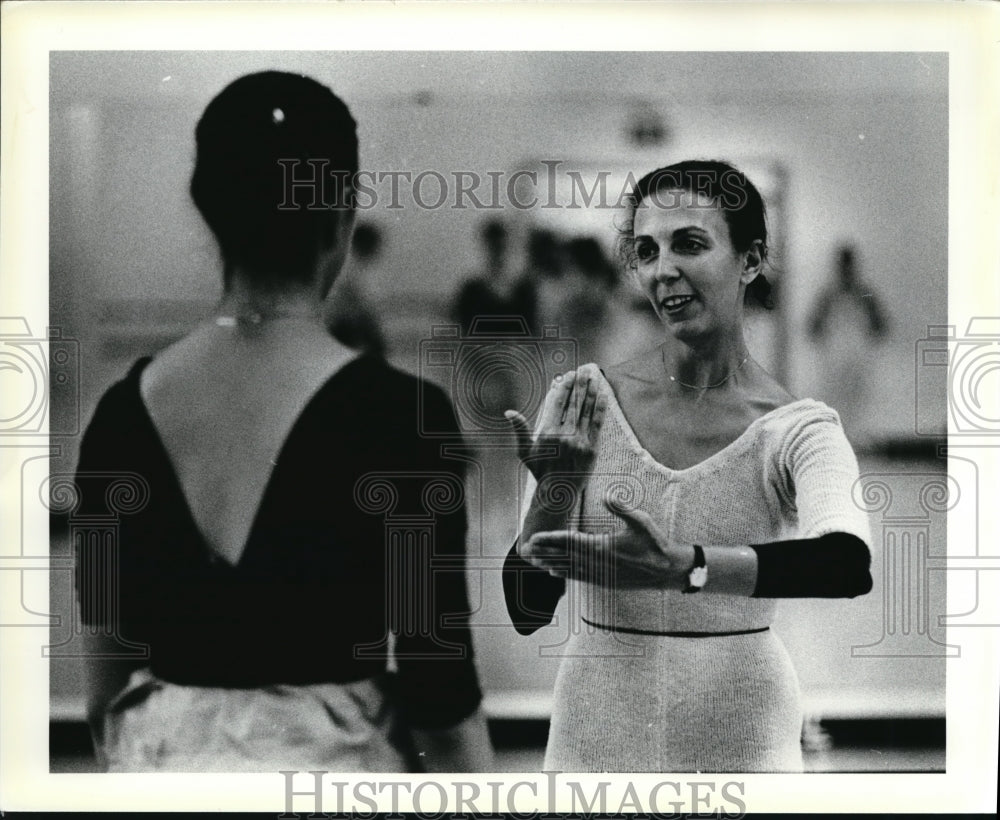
(819, 471)
(832, 559)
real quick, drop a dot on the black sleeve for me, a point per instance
(438, 684)
(835, 565)
(98, 560)
(531, 593)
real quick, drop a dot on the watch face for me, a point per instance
(698, 576)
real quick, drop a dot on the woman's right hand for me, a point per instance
(568, 429)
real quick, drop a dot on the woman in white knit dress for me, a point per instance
(673, 498)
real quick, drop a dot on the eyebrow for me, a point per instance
(690, 229)
(676, 232)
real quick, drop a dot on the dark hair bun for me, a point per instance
(260, 133)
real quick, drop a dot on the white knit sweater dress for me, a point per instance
(626, 701)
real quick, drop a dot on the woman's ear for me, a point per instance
(753, 260)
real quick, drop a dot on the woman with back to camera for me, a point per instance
(689, 490)
(258, 571)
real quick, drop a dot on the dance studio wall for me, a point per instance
(858, 170)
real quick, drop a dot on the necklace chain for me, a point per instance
(719, 383)
(258, 317)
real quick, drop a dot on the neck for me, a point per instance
(705, 366)
(242, 302)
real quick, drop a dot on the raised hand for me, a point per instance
(568, 428)
(641, 556)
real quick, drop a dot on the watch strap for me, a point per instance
(698, 574)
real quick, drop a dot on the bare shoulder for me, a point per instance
(767, 393)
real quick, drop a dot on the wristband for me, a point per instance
(698, 575)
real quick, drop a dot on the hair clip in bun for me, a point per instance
(277, 116)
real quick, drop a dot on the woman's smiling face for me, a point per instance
(686, 264)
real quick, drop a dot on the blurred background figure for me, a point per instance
(498, 304)
(544, 267)
(599, 309)
(588, 286)
(351, 315)
(495, 308)
(847, 321)
(495, 292)
(601, 314)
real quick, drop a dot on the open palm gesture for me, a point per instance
(640, 556)
(568, 428)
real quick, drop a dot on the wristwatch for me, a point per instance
(699, 571)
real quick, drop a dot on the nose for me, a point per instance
(666, 268)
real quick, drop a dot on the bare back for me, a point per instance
(223, 401)
(681, 430)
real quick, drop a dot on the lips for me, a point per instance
(675, 303)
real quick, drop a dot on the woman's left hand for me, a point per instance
(640, 557)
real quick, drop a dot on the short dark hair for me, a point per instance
(741, 203)
(239, 183)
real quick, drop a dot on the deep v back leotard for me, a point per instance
(323, 578)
